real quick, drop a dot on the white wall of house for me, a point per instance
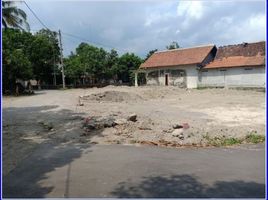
(190, 79)
(233, 77)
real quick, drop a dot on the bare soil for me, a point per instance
(62, 116)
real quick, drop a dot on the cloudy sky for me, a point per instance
(141, 26)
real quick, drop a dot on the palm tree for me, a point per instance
(13, 16)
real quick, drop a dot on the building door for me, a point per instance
(166, 79)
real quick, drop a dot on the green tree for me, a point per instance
(44, 55)
(150, 53)
(15, 61)
(99, 65)
(173, 45)
(112, 65)
(13, 17)
(128, 62)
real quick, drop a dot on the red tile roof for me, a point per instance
(244, 49)
(240, 55)
(185, 56)
(236, 61)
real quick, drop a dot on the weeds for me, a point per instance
(223, 141)
(253, 138)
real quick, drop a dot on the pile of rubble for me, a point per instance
(112, 96)
(97, 123)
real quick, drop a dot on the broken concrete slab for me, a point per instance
(177, 132)
(120, 121)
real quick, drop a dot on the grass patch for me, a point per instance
(223, 141)
(253, 138)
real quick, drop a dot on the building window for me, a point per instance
(223, 70)
(153, 74)
(248, 68)
(204, 70)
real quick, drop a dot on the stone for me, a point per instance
(177, 132)
(181, 137)
(109, 122)
(177, 126)
(120, 121)
(132, 117)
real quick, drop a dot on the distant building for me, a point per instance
(241, 65)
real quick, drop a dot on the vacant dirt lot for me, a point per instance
(167, 116)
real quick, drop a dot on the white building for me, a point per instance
(240, 65)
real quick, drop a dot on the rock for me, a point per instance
(109, 122)
(120, 121)
(181, 137)
(177, 132)
(177, 126)
(132, 117)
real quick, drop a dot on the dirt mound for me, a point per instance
(113, 96)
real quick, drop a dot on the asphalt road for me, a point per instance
(129, 171)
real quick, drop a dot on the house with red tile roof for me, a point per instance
(241, 65)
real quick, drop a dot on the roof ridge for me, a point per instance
(169, 50)
(237, 44)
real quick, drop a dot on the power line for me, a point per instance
(83, 39)
(69, 34)
(35, 15)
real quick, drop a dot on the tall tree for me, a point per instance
(128, 62)
(15, 62)
(173, 45)
(112, 64)
(13, 17)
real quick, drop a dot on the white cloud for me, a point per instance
(258, 21)
(156, 18)
(192, 9)
(177, 31)
(142, 26)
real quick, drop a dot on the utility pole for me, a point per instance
(61, 62)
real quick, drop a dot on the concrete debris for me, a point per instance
(177, 132)
(132, 117)
(98, 123)
(120, 121)
(168, 130)
(113, 96)
(177, 126)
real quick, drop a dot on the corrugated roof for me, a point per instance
(185, 56)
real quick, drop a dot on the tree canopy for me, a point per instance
(150, 53)
(36, 56)
(28, 56)
(99, 65)
(173, 45)
(13, 17)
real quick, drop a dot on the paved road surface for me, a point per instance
(128, 171)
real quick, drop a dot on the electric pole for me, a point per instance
(61, 62)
